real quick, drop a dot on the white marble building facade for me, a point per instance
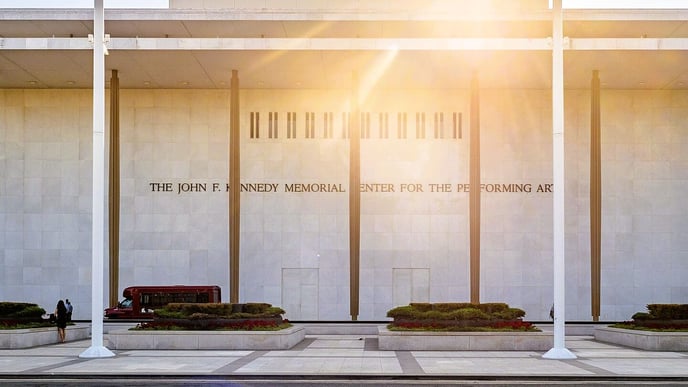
(414, 205)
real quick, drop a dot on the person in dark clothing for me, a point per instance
(61, 320)
(70, 309)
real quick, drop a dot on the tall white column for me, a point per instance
(98, 217)
(559, 350)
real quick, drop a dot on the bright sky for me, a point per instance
(164, 4)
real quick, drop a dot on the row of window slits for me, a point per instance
(325, 128)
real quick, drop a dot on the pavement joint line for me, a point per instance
(303, 344)
(47, 368)
(233, 366)
(591, 368)
(327, 357)
(408, 363)
(371, 344)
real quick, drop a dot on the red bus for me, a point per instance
(140, 301)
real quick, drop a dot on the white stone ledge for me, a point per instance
(287, 44)
(647, 340)
(33, 337)
(248, 340)
(348, 44)
(463, 341)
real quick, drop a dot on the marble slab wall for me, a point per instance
(294, 225)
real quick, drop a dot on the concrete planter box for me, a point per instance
(463, 341)
(649, 341)
(33, 337)
(249, 340)
(323, 328)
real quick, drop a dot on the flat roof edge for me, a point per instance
(279, 15)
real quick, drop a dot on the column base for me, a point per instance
(559, 353)
(95, 351)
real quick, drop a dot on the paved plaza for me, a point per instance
(342, 360)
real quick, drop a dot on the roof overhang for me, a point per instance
(199, 48)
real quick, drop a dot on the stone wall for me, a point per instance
(294, 243)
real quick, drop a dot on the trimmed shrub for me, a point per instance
(459, 316)
(212, 316)
(31, 312)
(668, 311)
(408, 311)
(493, 307)
(640, 316)
(22, 310)
(182, 310)
(670, 317)
(256, 307)
(469, 314)
(510, 314)
(21, 314)
(421, 306)
(449, 306)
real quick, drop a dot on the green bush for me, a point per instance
(271, 311)
(407, 311)
(181, 310)
(659, 317)
(510, 314)
(274, 311)
(166, 313)
(217, 310)
(20, 310)
(217, 316)
(459, 316)
(450, 306)
(469, 314)
(455, 311)
(640, 316)
(668, 311)
(663, 312)
(421, 306)
(255, 307)
(493, 307)
(33, 311)
(433, 315)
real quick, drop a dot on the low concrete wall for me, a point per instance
(463, 341)
(116, 326)
(251, 340)
(371, 328)
(573, 329)
(647, 340)
(319, 329)
(33, 337)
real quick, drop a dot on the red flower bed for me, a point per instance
(502, 325)
(215, 324)
(517, 325)
(459, 317)
(659, 324)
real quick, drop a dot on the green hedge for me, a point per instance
(218, 310)
(21, 310)
(217, 316)
(456, 311)
(663, 312)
